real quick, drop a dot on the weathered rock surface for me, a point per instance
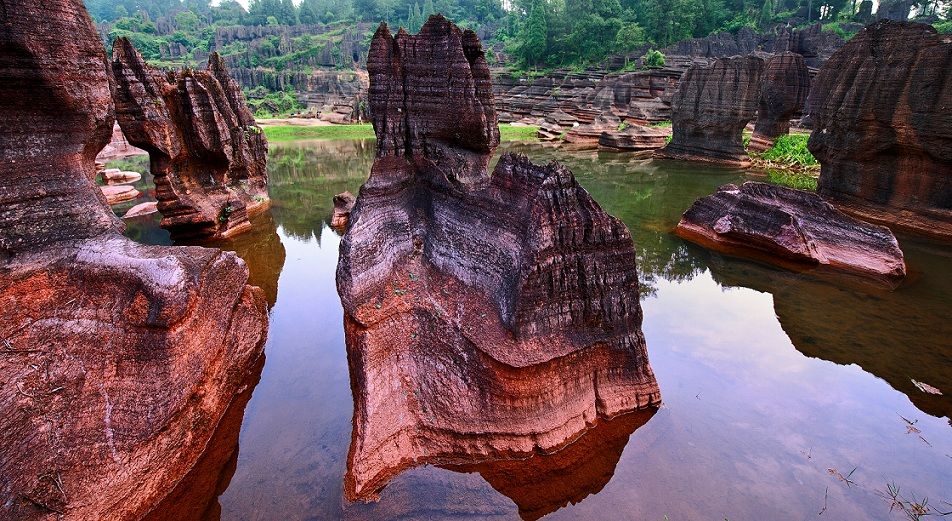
(117, 360)
(116, 176)
(587, 136)
(712, 107)
(784, 87)
(343, 205)
(882, 116)
(635, 138)
(141, 209)
(118, 147)
(555, 125)
(119, 193)
(486, 316)
(793, 228)
(207, 155)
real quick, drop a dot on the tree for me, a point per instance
(630, 37)
(766, 14)
(309, 12)
(536, 34)
(186, 21)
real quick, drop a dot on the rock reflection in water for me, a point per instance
(900, 336)
(538, 484)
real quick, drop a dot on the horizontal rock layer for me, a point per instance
(792, 228)
(784, 87)
(882, 114)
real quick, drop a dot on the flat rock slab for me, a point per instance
(794, 229)
(116, 176)
(116, 194)
(634, 138)
(142, 209)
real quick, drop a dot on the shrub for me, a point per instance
(653, 58)
(792, 150)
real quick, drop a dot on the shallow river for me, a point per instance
(784, 397)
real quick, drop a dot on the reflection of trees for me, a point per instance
(305, 176)
(899, 336)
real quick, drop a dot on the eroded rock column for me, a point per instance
(486, 316)
(117, 360)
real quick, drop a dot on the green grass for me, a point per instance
(796, 180)
(790, 150)
(295, 132)
(520, 133)
(661, 124)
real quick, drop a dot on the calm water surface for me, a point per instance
(776, 387)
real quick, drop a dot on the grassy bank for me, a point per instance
(279, 133)
(789, 162)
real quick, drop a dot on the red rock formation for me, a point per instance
(586, 136)
(784, 87)
(711, 108)
(118, 147)
(343, 205)
(207, 154)
(486, 316)
(794, 229)
(117, 360)
(882, 119)
(636, 138)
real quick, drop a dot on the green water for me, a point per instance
(776, 386)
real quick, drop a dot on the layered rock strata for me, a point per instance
(794, 229)
(207, 154)
(634, 138)
(711, 108)
(486, 316)
(587, 136)
(117, 360)
(784, 87)
(882, 116)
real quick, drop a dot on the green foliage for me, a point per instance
(273, 103)
(630, 37)
(534, 45)
(792, 150)
(944, 27)
(661, 124)
(653, 58)
(797, 180)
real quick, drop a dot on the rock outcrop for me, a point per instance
(117, 360)
(712, 107)
(118, 147)
(207, 154)
(784, 87)
(343, 205)
(882, 119)
(794, 229)
(634, 138)
(486, 316)
(587, 136)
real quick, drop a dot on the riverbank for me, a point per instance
(291, 129)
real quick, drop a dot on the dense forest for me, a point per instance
(529, 33)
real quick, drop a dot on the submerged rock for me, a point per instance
(794, 229)
(207, 154)
(634, 138)
(343, 204)
(117, 360)
(784, 87)
(486, 316)
(882, 115)
(711, 108)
